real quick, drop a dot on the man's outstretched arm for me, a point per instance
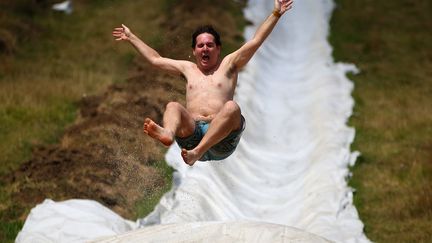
(242, 56)
(124, 34)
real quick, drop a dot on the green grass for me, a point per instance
(391, 44)
(10, 230)
(146, 205)
(24, 128)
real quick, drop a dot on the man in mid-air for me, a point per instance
(210, 126)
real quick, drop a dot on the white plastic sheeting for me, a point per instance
(216, 232)
(291, 165)
(75, 220)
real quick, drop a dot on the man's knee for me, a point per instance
(233, 112)
(173, 105)
(232, 107)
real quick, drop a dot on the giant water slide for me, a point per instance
(286, 182)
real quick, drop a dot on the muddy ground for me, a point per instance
(104, 154)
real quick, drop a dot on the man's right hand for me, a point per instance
(121, 33)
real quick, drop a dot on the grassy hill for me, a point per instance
(391, 44)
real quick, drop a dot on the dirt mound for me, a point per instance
(104, 156)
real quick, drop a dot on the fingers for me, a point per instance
(117, 34)
(286, 5)
(283, 5)
(120, 33)
(117, 31)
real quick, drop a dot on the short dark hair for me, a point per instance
(206, 29)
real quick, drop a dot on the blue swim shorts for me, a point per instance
(219, 151)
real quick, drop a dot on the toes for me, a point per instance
(188, 157)
(184, 153)
(146, 125)
(145, 128)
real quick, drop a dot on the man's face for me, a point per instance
(206, 52)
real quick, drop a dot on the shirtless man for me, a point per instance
(210, 126)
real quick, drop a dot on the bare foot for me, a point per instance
(190, 156)
(157, 132)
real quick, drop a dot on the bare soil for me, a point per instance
(104, 155)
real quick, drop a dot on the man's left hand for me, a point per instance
(281, 6)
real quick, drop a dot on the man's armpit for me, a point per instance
(232, 70)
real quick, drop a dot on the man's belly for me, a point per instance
(205, 107)
(198, 117)
(204, 112)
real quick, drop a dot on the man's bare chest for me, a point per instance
(208, 82)
(221, 82)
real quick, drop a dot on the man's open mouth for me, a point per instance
(205, 57)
